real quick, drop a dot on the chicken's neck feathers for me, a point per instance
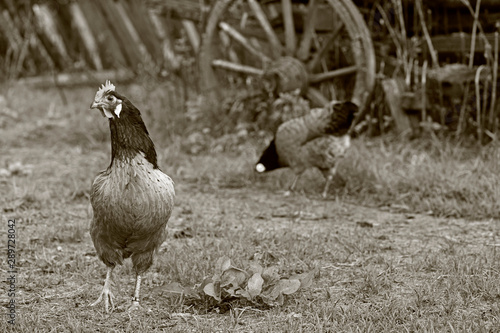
(130, 137)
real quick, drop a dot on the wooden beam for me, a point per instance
(86, 34)
(393, 96)
(237, 67)
(314, 78)
(192, 34)
(460, 42)
(75, 79)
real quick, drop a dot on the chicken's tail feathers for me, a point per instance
(342, 116)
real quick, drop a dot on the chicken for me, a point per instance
(132, 199)
(317, 139)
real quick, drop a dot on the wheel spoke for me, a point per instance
(321, 53)
(226, 41)
(237, 36)
(305, 43)
(315, 78)
(315, 96)
(244, 69)
(290, 42)
(268, 29)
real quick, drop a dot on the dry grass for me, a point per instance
(392, 267)
(427, 176)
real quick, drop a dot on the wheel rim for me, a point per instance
(321, 47)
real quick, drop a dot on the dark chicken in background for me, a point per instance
(318, 139)
(132, 199)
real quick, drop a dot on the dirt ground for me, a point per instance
(380, 269)
(368, 259)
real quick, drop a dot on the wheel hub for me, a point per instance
(285, 74)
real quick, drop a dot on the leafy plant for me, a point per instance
(258, 285)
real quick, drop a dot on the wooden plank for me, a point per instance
(47, 26)
(106, 41)
(80, 78)
(11, 8)
(168, 52)
(39, 52)
(182, 9)
(290, 38)
(393, 92)
(142, 23)
(15, 52)
(239, 68)
(192, 33)
(86, 34)
(309, 25)
(120, 32)
(266, 26)
(123, 14)
(10, 31)
(460, 42)
(458, 3)
(19, 45)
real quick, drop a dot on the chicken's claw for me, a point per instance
(108, 299)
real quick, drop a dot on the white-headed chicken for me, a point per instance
(318, 139)
(132, 199)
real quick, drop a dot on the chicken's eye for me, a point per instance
(110, 98)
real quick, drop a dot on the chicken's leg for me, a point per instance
(292, 186)
(106, 292)
(135, 300)
(329, 177)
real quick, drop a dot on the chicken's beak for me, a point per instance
(94, 105)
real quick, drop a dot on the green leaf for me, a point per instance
(205, 281)
(255, 267)
(222, 264)
(287, 287)
(266, 300)
(270, 274)
(254, 285)
(278, 300)
(211, 290)
(244, 293)
(233, 276)
(233, 291)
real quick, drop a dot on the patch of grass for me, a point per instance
(440, 177)
(390, 270)
(428, 176)
(424, 176)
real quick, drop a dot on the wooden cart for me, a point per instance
(321, 47)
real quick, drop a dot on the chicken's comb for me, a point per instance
(108, 86)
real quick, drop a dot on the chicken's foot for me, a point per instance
(292, 186)
(106, 293)
(329, 177)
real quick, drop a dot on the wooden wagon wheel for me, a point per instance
(321, 47)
